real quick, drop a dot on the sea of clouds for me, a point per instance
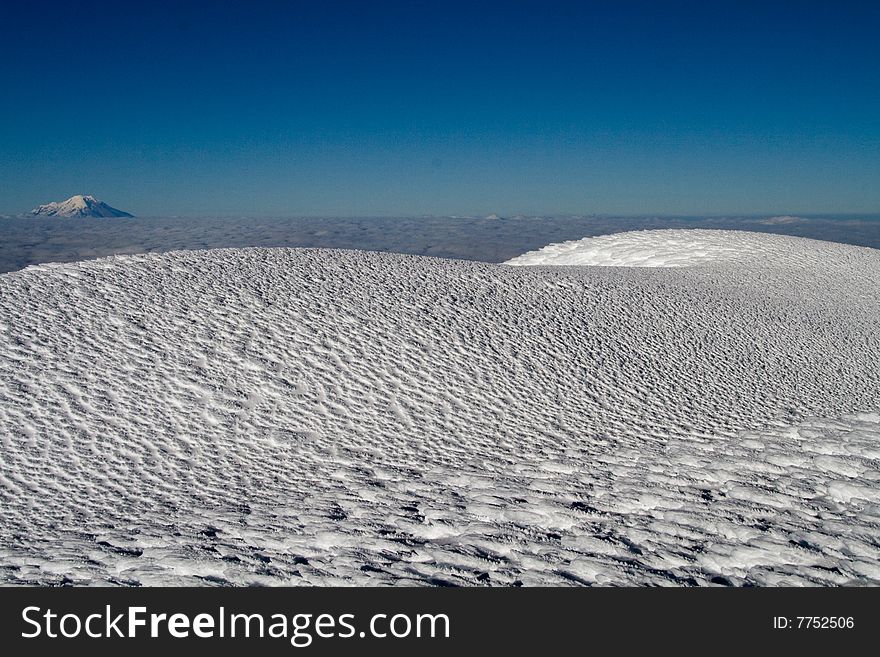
(32, 240)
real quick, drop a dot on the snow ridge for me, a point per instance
(680, 248)
(287, 416)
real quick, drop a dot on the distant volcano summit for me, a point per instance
(78, 206)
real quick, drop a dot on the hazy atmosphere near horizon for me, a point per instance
(440, 294)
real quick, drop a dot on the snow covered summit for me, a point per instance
(680, 248)
(78, 206)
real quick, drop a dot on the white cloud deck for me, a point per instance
(281, 416)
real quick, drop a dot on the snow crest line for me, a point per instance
(688, 248)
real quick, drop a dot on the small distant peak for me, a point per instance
(80, 205)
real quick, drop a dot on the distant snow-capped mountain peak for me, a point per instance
(78, 206)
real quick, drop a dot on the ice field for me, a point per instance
(652, 408)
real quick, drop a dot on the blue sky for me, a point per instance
(381, 108)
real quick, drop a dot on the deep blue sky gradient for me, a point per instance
(381, 108)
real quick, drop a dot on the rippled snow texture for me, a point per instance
(679, 248)
(280, 416)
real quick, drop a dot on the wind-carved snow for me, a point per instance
(281, 416)
(78, 206)
(678, 248)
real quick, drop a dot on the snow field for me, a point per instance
(285, 416)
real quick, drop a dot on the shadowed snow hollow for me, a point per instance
(680, 248)
(281, 416)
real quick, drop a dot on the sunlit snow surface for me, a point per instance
(679, 248)
(282, 416)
